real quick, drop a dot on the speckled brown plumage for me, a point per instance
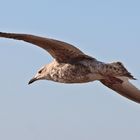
(71, 65)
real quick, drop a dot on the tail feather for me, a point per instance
(121, 70)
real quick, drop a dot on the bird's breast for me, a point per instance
(68, 73)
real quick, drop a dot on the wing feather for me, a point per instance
(61, 51)
(124, 88)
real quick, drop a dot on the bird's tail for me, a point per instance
(121, 70)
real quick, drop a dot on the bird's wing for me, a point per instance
(123, 87)
(61, 51)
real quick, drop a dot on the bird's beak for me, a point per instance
(32, 80)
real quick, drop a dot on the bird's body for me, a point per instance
(81, 72)
(71, 65)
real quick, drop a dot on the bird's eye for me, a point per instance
(40, 71)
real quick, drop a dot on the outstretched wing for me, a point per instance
(61, 51)
(123, 87)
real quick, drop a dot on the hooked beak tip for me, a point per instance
(31, 81)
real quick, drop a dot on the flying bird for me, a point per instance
(71, 65)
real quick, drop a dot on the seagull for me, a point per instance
(71, 65)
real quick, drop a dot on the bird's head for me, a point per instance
(41, 74)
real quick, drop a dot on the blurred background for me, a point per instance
(108, 30)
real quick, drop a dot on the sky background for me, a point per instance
(106, 29)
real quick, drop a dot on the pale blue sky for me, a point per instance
(106, 29)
